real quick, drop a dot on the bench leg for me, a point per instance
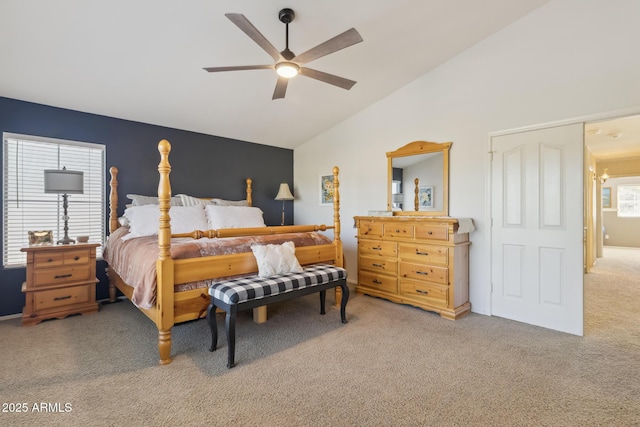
(213, 325)
(345, 299)
(230, 328)
(322, 300)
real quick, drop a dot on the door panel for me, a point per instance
(537, 216)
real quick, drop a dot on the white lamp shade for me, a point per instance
(63, 181)
(284, 193)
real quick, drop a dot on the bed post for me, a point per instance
(165, 278)
(113, 219)
(249, 191)
(336, 230)
(113, 200)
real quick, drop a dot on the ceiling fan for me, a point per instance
(287, 64)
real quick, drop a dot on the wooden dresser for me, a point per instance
(61, 280)
(420, 261)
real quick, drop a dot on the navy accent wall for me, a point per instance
(201, 165)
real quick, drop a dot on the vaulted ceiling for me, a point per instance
(143, 60)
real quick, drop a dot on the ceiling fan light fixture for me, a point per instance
(287, 69)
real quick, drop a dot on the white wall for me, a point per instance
(568, 59)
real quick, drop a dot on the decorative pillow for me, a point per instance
(222, 202)
(138, 200)
(144, 220)
(233, 217)
(276, 259)
(193, 201)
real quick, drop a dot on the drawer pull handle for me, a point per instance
(76, 258)
(50, 260)
(62, 276)
(377, 248)
(420, 291)
(62, 298)
(397, 231)
(429, 233)
(422, 253)
(378, 265)
(424, 273)
(377, 282)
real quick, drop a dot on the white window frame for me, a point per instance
(25, 208)
(628, 198)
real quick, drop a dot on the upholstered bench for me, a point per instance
(245, 293)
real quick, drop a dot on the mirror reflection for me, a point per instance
(418, 179)
(427, 170)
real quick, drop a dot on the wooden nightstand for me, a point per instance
(61, 280)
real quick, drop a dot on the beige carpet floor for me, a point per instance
(391, 365)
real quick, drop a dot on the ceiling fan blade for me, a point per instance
(281, 88)
(247, 27)
(327, 78)
(341, 41)
(239, 68)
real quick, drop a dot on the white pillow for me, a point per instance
(193, 201)
(144, 220)
(276, 259)
(185, 219)
(138, 200)
(233, 217)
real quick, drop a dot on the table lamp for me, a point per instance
(284, 194)
(64, 182)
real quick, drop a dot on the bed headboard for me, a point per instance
(113, 197)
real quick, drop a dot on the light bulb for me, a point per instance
(287, 69)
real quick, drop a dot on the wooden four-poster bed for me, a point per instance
(181, 268)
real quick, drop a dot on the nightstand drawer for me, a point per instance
(427, 293)
(53, 259)
(389, 266)
(60, 297)
(64, 275)
(424, 272)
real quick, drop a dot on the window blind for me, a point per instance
(26, 207)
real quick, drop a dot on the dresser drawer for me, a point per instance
(426, 293)
(379, 248)
(398, 229)
(425, 254)
(61, 275)
(370, 228)
(377, 264)
(60, 297)
(432, 231)
(376, 281)
(424, 272)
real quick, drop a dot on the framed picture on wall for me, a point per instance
(326, 189)
(425, 197)
(606, 197)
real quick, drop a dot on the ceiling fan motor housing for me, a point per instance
(286, 16)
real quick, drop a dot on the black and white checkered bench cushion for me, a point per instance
(234, 291)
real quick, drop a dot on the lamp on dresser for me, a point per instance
(64, 182)
(284, 193)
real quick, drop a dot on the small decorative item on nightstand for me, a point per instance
(61, 280)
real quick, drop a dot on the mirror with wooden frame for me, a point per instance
(418, 179)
